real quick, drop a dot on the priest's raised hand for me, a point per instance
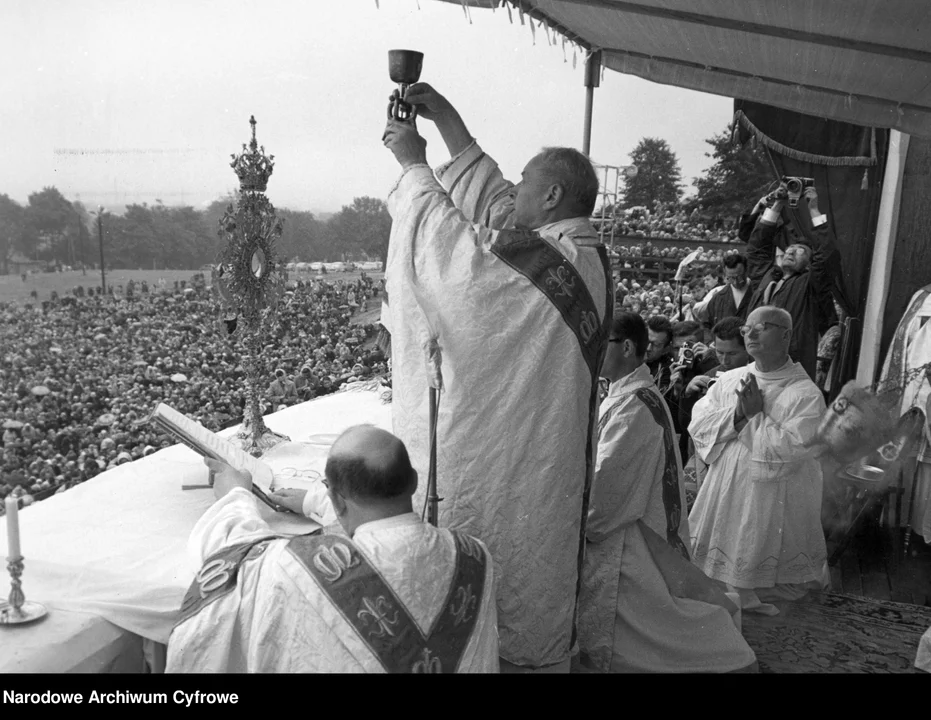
(402, 139)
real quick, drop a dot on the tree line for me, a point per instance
(56, 231)
(730, 186)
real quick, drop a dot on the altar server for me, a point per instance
(513, 284)
(756, 523)
(644, 606)
(400, 596)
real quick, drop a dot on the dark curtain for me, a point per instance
(849, 194)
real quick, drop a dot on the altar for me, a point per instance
(108, 558)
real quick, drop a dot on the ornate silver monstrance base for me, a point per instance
(250, 283)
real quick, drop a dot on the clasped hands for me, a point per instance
(749, 400)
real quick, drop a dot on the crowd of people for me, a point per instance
(80, 373)
(668, 221)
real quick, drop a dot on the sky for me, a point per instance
(123, 101)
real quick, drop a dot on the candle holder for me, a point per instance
(19, 611)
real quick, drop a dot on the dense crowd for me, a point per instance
(80, 374)
(638, 292)
(670, 221)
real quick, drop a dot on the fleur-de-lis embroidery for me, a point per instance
(470, 547)
(560, 281)
(333, 562)
(377, 613)
(588, 325)
(213, 576)
(463, 605)
(427, 664)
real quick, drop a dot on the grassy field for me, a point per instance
(13, 289)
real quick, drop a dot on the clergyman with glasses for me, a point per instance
(756, 522)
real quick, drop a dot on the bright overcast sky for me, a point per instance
(159, 93)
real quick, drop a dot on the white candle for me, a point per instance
(12, 529)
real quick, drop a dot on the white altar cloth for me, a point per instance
(116, 546)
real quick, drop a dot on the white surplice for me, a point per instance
(916, 392)
(515, 411)
(277, 618)
(756, 522)
(628, 620)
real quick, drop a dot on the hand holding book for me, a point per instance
(239, 468)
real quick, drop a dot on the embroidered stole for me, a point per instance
(218, 576)
(556, 277)
(671, 499)
(380, 619)
(552, 273)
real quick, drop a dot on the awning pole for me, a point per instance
(883, 251)
(592, 80)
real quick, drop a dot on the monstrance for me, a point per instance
(250, 282)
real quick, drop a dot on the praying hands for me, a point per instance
(749, 401)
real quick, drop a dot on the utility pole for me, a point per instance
(592, 80)
(81, 231)
(103, 274)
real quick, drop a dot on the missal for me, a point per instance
(207, 444)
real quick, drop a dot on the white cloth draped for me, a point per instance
(756, 520)
(629, 621)
(278, 619)
(515, 409)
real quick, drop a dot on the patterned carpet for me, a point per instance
(831, 633)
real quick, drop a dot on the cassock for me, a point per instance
(756, 522)
(807, 296)
(521, 321)
(910, 349)
(401, 596)
(629, 621)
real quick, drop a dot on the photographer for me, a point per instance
(803, 285)
(729, 353)
(691, 357)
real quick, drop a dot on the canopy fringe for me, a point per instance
(740, 117)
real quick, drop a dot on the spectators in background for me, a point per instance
(80, 373)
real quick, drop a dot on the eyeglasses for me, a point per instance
(759, 327)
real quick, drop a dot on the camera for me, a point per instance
(687, 355)
(795, 186)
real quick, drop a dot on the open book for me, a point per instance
(205, 443)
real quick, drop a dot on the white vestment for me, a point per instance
(278, 619)
(515, 438)
(756, 522)
(628, 620)
(910, 349)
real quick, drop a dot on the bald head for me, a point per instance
(768, 336)
(368, 463)
(771, 314)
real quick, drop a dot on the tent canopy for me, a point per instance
(866, 62)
